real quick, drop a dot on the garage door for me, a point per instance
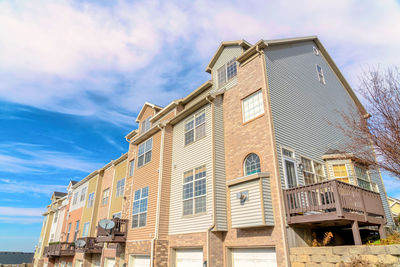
(254, 257)
(139, 261)
(189, 258)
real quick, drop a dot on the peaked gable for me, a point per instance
(144, 109)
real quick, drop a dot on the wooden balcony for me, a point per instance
(59, 249)
(115, 235)
(91, 246)
(332, 203)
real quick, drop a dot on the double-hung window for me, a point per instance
(144, 155)
(90, 200)
(313, 172)
(194, 191)
(76, 230)
(362, 177)
(253, 106)
(83, 194)
(75, 200)
(85, 231)
(55, 217)
(120, 188)
(106, 195)
(139, 213)
(131, 167)
(68, 231)
(195, 127)
(145, 125)
(227, 72)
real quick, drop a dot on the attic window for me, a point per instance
(320, 73)
(146, 125)
(227, 72)
(315, 51)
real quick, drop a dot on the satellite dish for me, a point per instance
(107, 224)
(80, 243)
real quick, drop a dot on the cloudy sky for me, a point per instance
(74, 74)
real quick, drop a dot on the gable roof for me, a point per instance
(221, 47)
(266, 43)
(59, 194)
(147, 104)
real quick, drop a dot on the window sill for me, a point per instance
(186, 145)
(194, 215)
(253, 119)
(143, 165)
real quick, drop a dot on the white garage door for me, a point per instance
(139, 261)
(189, 258)
(254, 257)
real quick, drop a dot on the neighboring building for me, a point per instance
(394, 205)
(233, 174)
(13, 258)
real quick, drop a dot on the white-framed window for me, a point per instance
(144, 154)
(145, 125)
(120, 188)
(90, 201)
(194, 191)
(253, 106)
(315, 51)
(289, 168)
(85, 231)
(106, 196)
(76, 230)
(55, 216)
(313, 172)
(68, 231)
(363, 179)
(227, 72)
(195, 127)
(252, 164)
(320, 74)
(75, 200)
(83, 194)
(139, 213)
(340, 172)
(131, 167)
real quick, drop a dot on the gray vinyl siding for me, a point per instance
(268, 209)
(220, 180)
(185, 158)
(229, 53)
(247, 214)
(305, 111)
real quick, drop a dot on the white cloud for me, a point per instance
(27, 212)
(106, 60)
(15, 187)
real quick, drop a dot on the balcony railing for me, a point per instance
(333, 200)
(114, 235)
(59, 249)
(91, 245)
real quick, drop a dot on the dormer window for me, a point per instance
(145, 125)
(227, 72)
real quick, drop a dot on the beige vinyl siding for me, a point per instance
(220, 180)
(185, 158)
(229, 53)
(268, 208)
(247, 214)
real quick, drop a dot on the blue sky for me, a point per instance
(74, 74)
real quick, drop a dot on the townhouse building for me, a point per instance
(246, 166)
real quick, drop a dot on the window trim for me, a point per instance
(102, 196)
(313, 169)
(117, 192)
(225, 66)
(139, 213)
(91, 200)
(194, 197)
(341, 177)
(315, 51)
(132, 167)
(88, 229)
(142, 124)
(144, 152)
(83, 194)
(243, 109)
(244, 163)
(193, 117)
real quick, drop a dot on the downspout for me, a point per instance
(213, 179)
(160, 171)
(273, 142)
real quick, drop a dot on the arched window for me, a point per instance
(252, 164)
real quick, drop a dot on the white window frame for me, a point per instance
(224, 69)
(138, 201)
(145, 151)
(195, 127)
(83, 194)
(76, 232)
(293, 160)
(194, 197)
(86, 224)
(244, 110)
(90, 201)
(314, 173)
(315, 51)
(75, 198)
(368, 175)
(120, 189)
(321, 76)
(105, 198)
(145, 125)
(341, 177)
(131, 167)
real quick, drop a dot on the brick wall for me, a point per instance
(337, 256)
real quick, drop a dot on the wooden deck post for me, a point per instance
(382, 233)
(338, 200)
(356, 233)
